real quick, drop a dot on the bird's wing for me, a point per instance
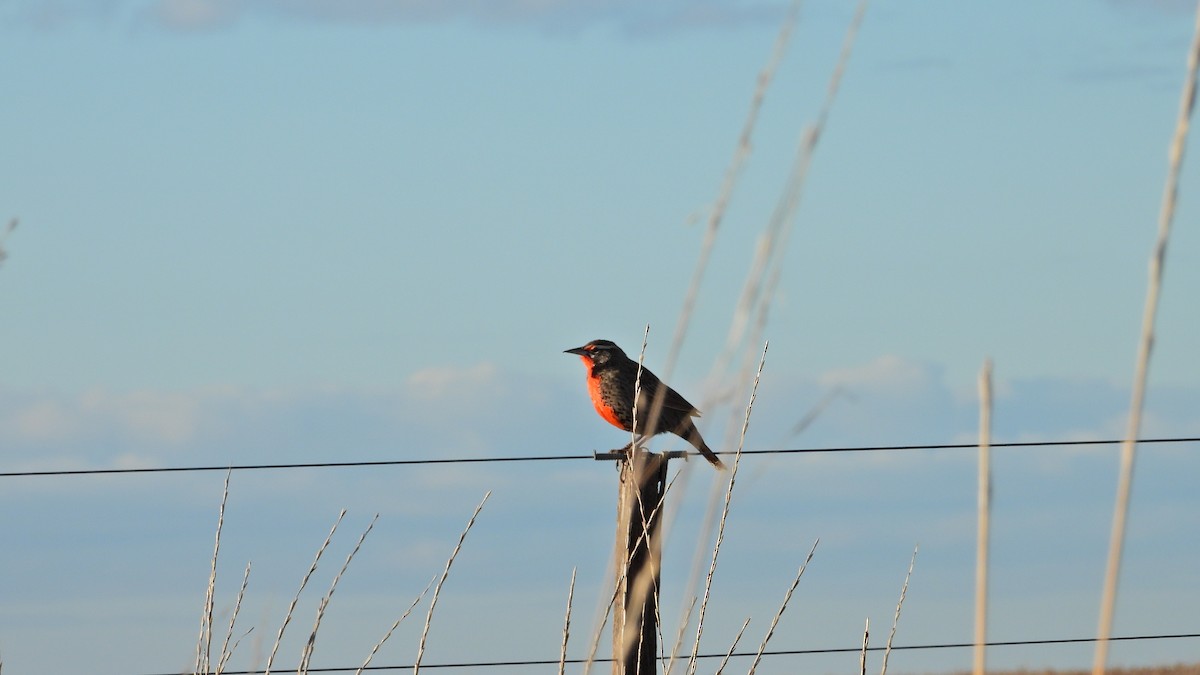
(677, 402)
(672, 400)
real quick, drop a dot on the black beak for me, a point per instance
(578, 350)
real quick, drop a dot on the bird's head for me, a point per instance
(598, 352)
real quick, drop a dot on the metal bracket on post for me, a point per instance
(623, 453)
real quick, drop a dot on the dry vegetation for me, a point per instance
(1178, 669)
(736, 369)
(746, 327)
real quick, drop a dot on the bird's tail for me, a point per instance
(710, 456)
(691, 434)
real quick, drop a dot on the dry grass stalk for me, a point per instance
(887, 651)
(599, 632)
(641, 584)
(687, 619)
(204, 643)
(737, 459)
(12, 225)
(223, 663)
(637, 393)
(774, 246)
(287, 618)
(306, 656)
(754, 303)
(729, 654)
(386, 636)
(768, 242)
(744, 146)
(815, 411)
(762, 280)
(985, 510)
(226, 649)
(1157, 262)
(562, 657)
(862, 658)
(644, 583)
(662, 656)
(1175, 669)
(787, 597)
(438, 588)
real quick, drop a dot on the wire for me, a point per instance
(957, 446)
(783, 652)
(300, 465)
(552, 458)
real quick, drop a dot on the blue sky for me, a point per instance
(304, 231)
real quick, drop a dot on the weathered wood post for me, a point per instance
(638, 554)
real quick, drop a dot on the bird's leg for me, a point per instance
(628, 447)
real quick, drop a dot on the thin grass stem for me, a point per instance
(310, 645)
(862, 657)
(887, 651)
(599, 632)
(712, 568)
(759, 289)
(984, 516)
(562, 657)
(387, 636)
(787, 597)
(437, 590)
(12, 225)
(687, 619)
(729, 654)
(204, 643)
(287, 618)
(1157, 262)
(637, 394)
(221, 666)
(729, 182)
(226, 649)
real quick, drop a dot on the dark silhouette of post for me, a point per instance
(638, 557)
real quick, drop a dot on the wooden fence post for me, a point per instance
(638, 557)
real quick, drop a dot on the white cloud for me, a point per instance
(891, 400)
(480, 410)
(886, 374)
(131, 460)
(631, 16)
(144, 415)
(40, 420)
(436, 412)
(442, 382)
(1167, 6)
(54, 14)
(155, 416)
(196, 14)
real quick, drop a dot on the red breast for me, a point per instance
(606, 411)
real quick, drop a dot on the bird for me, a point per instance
(612, 378)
